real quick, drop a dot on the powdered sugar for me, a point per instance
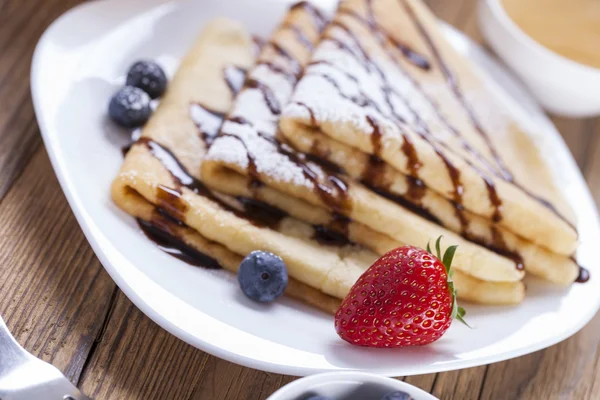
(268, 160)
(325, 99)
(259, 123)
(134, 98)
(251, 105)
(279, 83)
(393, 98)
(228, 150)
(204, 119)
(316, 92)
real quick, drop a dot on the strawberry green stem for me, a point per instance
(457, 312)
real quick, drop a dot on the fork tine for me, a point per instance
(25, 377)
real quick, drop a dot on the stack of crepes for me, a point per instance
(347, 139)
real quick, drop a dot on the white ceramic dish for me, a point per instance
(80, 62)
(561, 85)
(347, 385)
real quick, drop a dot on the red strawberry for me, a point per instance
(406, 298)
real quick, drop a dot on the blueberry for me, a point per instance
(130, 107)
(148, 76)
(398, 395)
(263, 276)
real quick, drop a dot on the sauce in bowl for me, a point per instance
(570, 28)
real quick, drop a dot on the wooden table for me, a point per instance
(64, 308)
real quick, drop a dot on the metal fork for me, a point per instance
(25, 377)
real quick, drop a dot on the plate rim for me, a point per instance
(93, 235)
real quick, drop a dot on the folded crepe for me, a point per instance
(402, 189)
(159, 183)
(389, 101)
(247, 145)
(384, 81)
(246, 159)
(159, 180)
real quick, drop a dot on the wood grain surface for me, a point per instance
(63, 307)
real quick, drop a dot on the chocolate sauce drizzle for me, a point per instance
(504, 172)
(333, 192)
(412, 159)
(325, 165)
(388, 91)
(318, 19)
(234, 77)
(416, 187)
(408, 148)
(423, 129)
(170, 199)
(375, 136)
(415, 58)
(311, 113)
(416, 190)
(374, 169)
(238, 119)
(208, 122)
(172, 207)
(166, 239)
(404, 202)
(267, 94)
(455, 87)
(335, 233)
(252, 169)
(294, 63)
(498, 245)
(361, 100)
(291, 77)
(172, 164)
(125, 149)
(259, 44)
(300, 35)
(374, 172)
(262, 214)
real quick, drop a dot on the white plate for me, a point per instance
(79, 63)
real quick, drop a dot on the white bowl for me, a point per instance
(348, 385)
(561, 85)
